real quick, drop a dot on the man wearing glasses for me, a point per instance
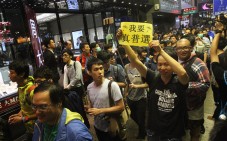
(54, 121)
(199, 83)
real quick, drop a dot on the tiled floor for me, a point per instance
(208, 111)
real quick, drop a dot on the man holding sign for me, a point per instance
(136, 34)
(166, 100)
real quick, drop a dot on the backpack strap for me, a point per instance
(225, 77)
(117, 117)
(111, 101)
(74, 65)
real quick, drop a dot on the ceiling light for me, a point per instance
(42, 16)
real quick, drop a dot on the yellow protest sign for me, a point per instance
(136, 34)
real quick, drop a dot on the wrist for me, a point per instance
(25, 119)
(218, 31)
(161, 51)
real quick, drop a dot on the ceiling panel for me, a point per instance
(85, 6)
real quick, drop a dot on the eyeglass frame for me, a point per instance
(182, 48)
(65, 55)
(41, 107)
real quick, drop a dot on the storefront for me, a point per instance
(165, 14)
(24, 24)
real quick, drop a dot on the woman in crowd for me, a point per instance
(136, 97)
(219, 70)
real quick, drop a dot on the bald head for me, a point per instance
(183, 42)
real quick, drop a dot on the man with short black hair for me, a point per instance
(100, 105)
(112, 72)
(19, 73)
(173, 39)
(68, 44)
(54, 121)
(85, 54)
(50, 60)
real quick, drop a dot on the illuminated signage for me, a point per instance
(188, 11)
(220, 6)
(205, 6)
(36, 45)
(170, 6)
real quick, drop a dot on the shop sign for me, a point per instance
(203, 1)
(36, 45)
(205, 6)
(33, 29)
(170, 6)
(136, 34)
(186, 4)
(188, 11)
(220, 6)
(9, 102)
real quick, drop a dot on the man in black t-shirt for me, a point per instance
(166, 104)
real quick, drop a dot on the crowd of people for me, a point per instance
(164, 85)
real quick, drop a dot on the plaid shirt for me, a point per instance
(201, 86)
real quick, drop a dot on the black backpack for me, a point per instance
(73, 102)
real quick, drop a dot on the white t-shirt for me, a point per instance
(99, 98)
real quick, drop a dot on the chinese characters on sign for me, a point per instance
(136, 34)
(9, 102)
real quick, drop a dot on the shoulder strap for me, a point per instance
(109, 93)
(74, 65)
(115, 69)
(225, 77)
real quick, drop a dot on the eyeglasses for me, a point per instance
(184, 48)
(65, 55)
(41, 108)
